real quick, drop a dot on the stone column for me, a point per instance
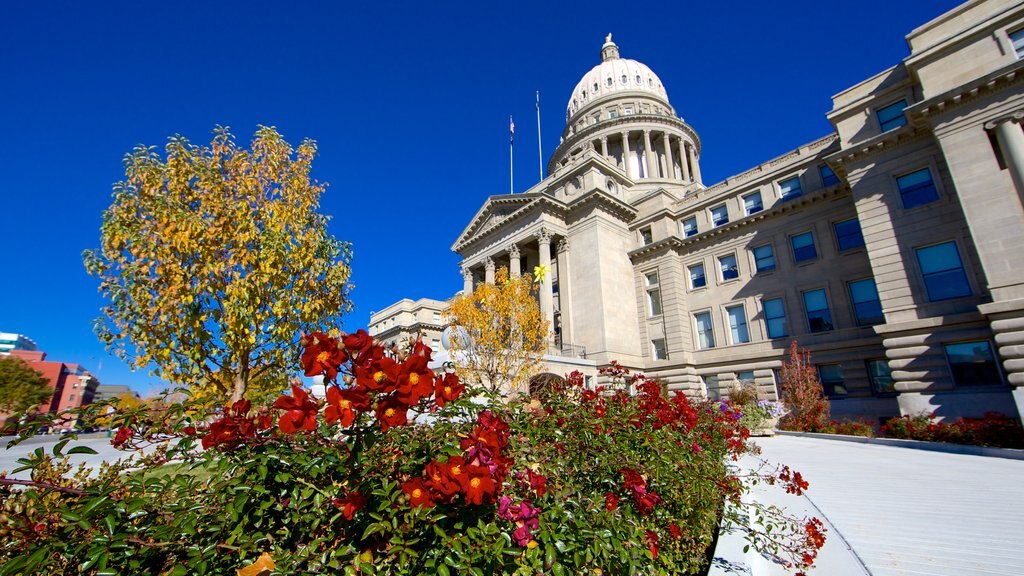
(467, 280)
(652, 164)
(694, 166)
(489, 270)
(546, 304)
(513, 261)
(625, 154)
(670, 170)
(564, 299)
(682, 161)
(1011, 144)
(604, 146)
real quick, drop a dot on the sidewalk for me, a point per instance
(894, 511)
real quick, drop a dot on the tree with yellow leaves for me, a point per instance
(215, 259)
(498, 334)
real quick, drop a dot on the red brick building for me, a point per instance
(72, 384)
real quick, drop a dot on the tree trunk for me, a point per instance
(241, 382)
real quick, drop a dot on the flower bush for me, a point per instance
(994, 429)
(403, 471)
(756, 413)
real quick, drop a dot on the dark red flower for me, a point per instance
(538, 482)
(675, 531)
(418, 493)
(443, 485)
(448, 388)
(611, 501)
(124, 433)
(414, 384)
(646, 502)
(652, 543)
(391, 412)
(322, 355)
(380, 375)
(350, 504)
(300, 411)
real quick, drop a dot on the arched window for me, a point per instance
(595, 86)
(624, 80)
(638, 80)
(609, 81)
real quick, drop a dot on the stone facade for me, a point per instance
(890, 248)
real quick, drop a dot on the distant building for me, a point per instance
(110, 391)
(405, 319)
(10, 341)
(890, 247)
(73, 386)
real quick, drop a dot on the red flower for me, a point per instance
(675, 531)
(124, 433)
(448, 388)
(379, 375)
(538, 482)
(300, 411)
(646, 502)
(418, 493)
(652, 543)
(350, 504)
(359, 345)
(478, 485)
(322, 356)
(456, 469)
(414, 384)
(391, 412)
(611, 501)
(343, 404)
(444, 486)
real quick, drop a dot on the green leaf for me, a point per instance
(81, 450)
(442, 570)
(59, 446)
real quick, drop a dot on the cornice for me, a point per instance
(880, 143)
(921, 113)
(622, 121)
(682, 245)
(609, 203)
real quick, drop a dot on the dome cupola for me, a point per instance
(612, 77)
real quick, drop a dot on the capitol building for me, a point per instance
(892, 247)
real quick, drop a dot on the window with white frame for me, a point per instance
(705, 331)
(891, 116)
(943, 271)
(828, 177)
(819, 318)
(775, 317)
(690, 227)
(658, 349)
(764, 258)
(803, 247)
(719, 215)
(738, 331)
(789, 189)
(848, 234)
(752, 203)
(1017, 37)
(697, 278)
(866, 305)
(653, 293)
(917, 188)
(728, 268)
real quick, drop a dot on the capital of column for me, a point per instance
(563, 245)
(544, 236)
(467, 274)
(1017, 117)
(513, 251)
(489, 263)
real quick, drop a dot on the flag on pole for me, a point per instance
(511, 130)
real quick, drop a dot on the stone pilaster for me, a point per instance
(625, 155)
(682, 161)
(546, 303)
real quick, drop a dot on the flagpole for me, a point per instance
(540, 154)
(511, 140)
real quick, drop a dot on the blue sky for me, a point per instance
(409, 103)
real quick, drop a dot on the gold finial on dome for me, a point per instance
(609, 51)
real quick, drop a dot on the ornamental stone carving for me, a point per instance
(513, 251)
(544, 236)
(563, 245)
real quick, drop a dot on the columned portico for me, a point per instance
(544, 256)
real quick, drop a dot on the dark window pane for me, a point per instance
(764, 258)
(848, 234)
(775, 317)
(828, 177)
(973, 363)
(880, 377)
(803, 247)
(943, 272)
(892, 116)
(917, 188)
(865, 301)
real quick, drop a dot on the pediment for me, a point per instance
(495, 211)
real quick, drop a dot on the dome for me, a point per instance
(614, 75)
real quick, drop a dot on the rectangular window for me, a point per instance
(658, 349)
(828, 177)
(712, 386)
(71, 397)
(803, 247)
(880, 376)
(435, 344)
(690, 227)
(738, 324)
(1017, 37)
(775, 317)
(719, 215)
(917, 188)
(697, 279)
(745, 377)
(437, 316)
(789, 189)
(891, 116)
(972, 363)
(943, 272)
(653, 293)
(866, 305)
(752, 203)
(831, 376)
(645, 236)
(727, 264)
(819, 319)
(628, 110)
(705, 332)
(613, 114)
(848, 234)
(764, 258)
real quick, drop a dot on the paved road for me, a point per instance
(98, 442)
(896, 511)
